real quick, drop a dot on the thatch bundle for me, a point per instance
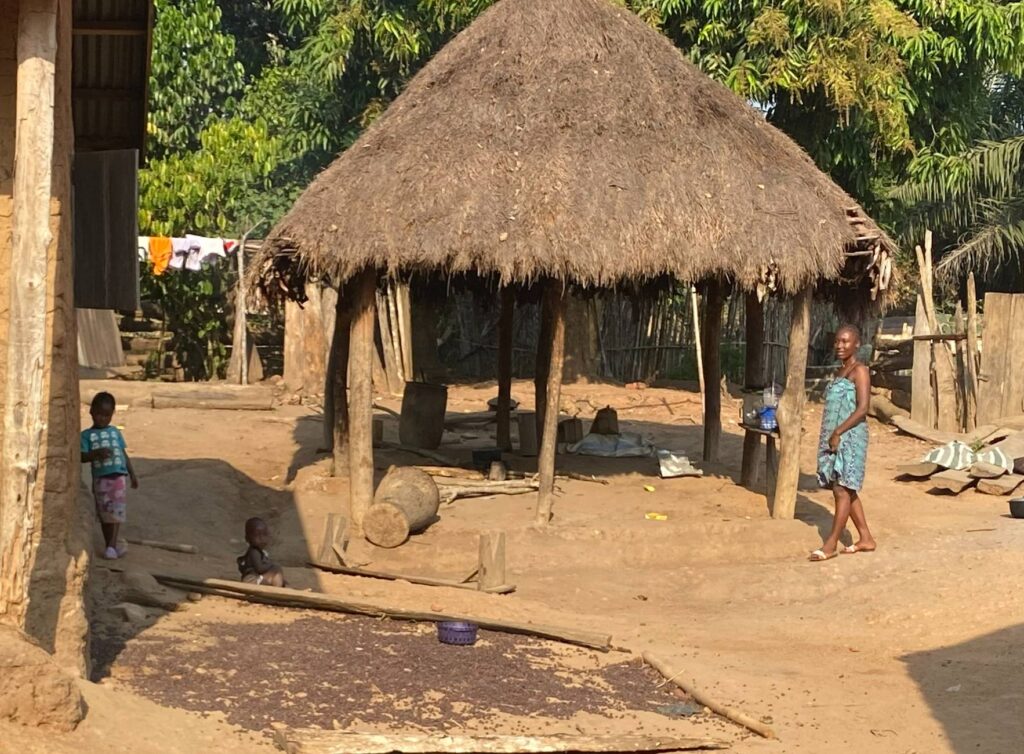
(569, 140)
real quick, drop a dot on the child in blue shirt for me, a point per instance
(103, 446)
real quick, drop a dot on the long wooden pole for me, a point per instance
(700, 352)
(336, 420)
(706, 701)
(360, 399)
(23, 423)
(753, 378)
(543, 363)
(791, 407)
(712, 370)
(555, 296)
(505, 323)
(972, 353)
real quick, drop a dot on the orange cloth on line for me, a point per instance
(160, 253)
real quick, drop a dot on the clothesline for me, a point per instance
(189, 253)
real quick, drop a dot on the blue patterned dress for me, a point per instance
(846, 466)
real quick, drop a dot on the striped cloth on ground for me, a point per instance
(956, 455)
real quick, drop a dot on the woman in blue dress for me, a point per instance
(843, 446)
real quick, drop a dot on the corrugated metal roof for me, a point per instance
(110, 73)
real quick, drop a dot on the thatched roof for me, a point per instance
(568, 139)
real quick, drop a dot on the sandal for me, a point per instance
(819, 556)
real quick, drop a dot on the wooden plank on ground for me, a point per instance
(421, 580)
(914, 428)
(952, 481)
(1004, 485)
(982, 470)
(921, 470)
(316, 741)
(251, 399)
(922, 407)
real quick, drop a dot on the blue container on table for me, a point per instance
(769, 420)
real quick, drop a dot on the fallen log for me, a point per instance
(286, 597)
(921, 470)
(885, 410)
(210, 400)
(452, 492)
(317, 741)
(450, 472)
(420, 580)
(169, 546)
(700, 697)
(435, 457)
(1004, 485)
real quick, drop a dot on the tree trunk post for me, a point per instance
(23, 422)
(753, 378)
(336, 388)
(554, 295)
(543, 364)
(505, 322)
(360, 398)
(791, 407)
(712, 340)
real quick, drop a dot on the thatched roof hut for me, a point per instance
(570, 144)
(570, 140)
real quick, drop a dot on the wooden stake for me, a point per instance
(972, 353)
(505, 323)
(360, 399)
(791, 407)
(700, 353)
(922, 394)
(543, 364)
(23, 421)
(403, 302)
(712, 337)
(491, 572)
(703, 699)
(336, 384)
(555, 296)
(942, 359)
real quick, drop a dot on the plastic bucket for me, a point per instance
(422, 420)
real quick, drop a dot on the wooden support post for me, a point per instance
(922, 394)
(712, 336)
(942, 358)
(491, 572)
(336, 389)
(554, 295)
(360, 399)
(543, 363)
(753, 378)
(971, 347)
(505, 322)
(700, 354)
(23, 421)
(791, 407)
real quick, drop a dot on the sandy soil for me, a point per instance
(914, 648)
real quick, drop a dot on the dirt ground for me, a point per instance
(914, 648)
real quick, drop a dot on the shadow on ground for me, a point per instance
(975, 689)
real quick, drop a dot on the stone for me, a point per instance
(130, 612)
(142, 589)
(34, 691)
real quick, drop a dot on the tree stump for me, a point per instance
(405, 503)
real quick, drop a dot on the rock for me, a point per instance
(130, 612)
(142, 589)
(34, 691)
(194, 596)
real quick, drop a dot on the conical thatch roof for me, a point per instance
(568, 139)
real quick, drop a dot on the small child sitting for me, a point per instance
(255, 565)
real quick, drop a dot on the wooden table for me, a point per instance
(751, 448)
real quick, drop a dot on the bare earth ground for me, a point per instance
(914, 648)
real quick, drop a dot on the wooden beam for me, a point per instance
(543, 362)
(336, 420)
(491, 571)
(330, 566)
(972, 353)
(318, 741)
(753, 378)
(24, 425)
(360, 398)
(505, 323)
(942, 358)
(555, 295)
(109, 29)
(711, 346)
(791, 407)
(93, 93)
(287, 597)
(953, 337)
(922, 393)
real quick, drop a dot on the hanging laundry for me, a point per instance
(179, 249)
(143, 246)
(208, 247)
(160, 253)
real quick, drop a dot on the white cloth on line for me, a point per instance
(208, 247)
(180, 248)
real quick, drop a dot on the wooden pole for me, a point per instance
(505, 323)
(712, 370)
(972, 353)
(791, 407)
(336, 424)
(23, 421)
(700, 352)
(555, 296)
(360, 399)
(942, 358)
(492, 560)
(753, 378)
(543, 365)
